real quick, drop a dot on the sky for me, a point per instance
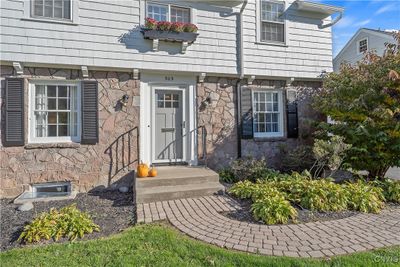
(374, 14)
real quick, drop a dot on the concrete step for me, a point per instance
(177, 181)
(163, 193)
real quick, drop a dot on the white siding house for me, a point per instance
(88, 92)
(363, 40)
(106, 34)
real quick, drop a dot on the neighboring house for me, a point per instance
(85, 96)
(364, 40)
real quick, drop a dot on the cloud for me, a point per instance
(362, 23)
(385, 8)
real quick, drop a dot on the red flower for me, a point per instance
(189, 27)
(177, 26)
(164, 25)
(151, 24)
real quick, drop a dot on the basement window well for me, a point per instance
(47, 192)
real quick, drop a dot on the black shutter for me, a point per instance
(292, 115)
(14, 132)
(90, 115)
(246, 113)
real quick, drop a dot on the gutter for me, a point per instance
(241, 77)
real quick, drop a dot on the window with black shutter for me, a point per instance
(90, 117)
(14, 132)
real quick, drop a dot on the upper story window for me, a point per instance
(268, 113)
(168, 13)
(272, 22)
(362, 46)
(54, 113)
(53, 9)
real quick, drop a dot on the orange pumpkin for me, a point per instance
(142, 170)
(153, 172)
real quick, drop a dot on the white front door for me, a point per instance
(168, 125)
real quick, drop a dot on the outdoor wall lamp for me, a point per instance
(124, 100)
(205, 103)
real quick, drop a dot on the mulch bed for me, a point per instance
(111, 210)
(304, 216)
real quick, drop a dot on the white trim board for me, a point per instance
(169, 80)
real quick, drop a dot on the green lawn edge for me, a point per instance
(162, 245)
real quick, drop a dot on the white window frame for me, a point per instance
(145, 9)
(281, 132)
(32, 139)
(259, 24)
(74, 20)
(358, 45)
(51, 18)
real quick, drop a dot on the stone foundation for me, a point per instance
(106, 164)
(219, 119)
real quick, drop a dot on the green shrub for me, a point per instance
(273, 209)
(364, 197)
(243, 189)
(227, 176)
(324, 195)
(391, 189)
(249, 168)
(68, 222)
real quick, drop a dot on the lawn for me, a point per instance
(161, 245)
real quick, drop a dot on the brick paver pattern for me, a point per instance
(201, 219)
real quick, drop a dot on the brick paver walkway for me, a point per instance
(201, 218)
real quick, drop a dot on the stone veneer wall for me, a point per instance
(86, 166)
(219, 119)
(271, 148)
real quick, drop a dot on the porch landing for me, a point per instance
(176, 182)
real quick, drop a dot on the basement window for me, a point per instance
(47, 191)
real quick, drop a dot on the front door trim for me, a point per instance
(149, 79)
(183, 90)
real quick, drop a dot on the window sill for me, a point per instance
(273, 44)
(52, 145)
(270, 139)
(50, 21)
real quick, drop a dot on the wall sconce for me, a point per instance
(205, 103)
(124, 100)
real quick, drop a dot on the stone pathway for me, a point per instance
(200, 218)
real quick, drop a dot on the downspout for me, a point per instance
(241, 76)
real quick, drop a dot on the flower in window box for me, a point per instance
(164, 26)
(177, 27)
(151, 24)
(189, 27)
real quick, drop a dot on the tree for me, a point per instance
(364, 102)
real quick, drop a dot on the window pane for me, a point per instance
(168, 104)
(51, 91)
(62, 104)
(176, 104)
(40, 131)
(63, 130)
(40, 118)
(52, 103)
(272, 32)
(52, 130)
(274, 117)
(157, 12)
(63, 117)
(180, 14)
(62, 91)
(67, 9)
(272, 11)
(48, 8)
(38, 8)
(160, 104)
(52, 117)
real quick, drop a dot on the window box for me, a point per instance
(170, 36)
